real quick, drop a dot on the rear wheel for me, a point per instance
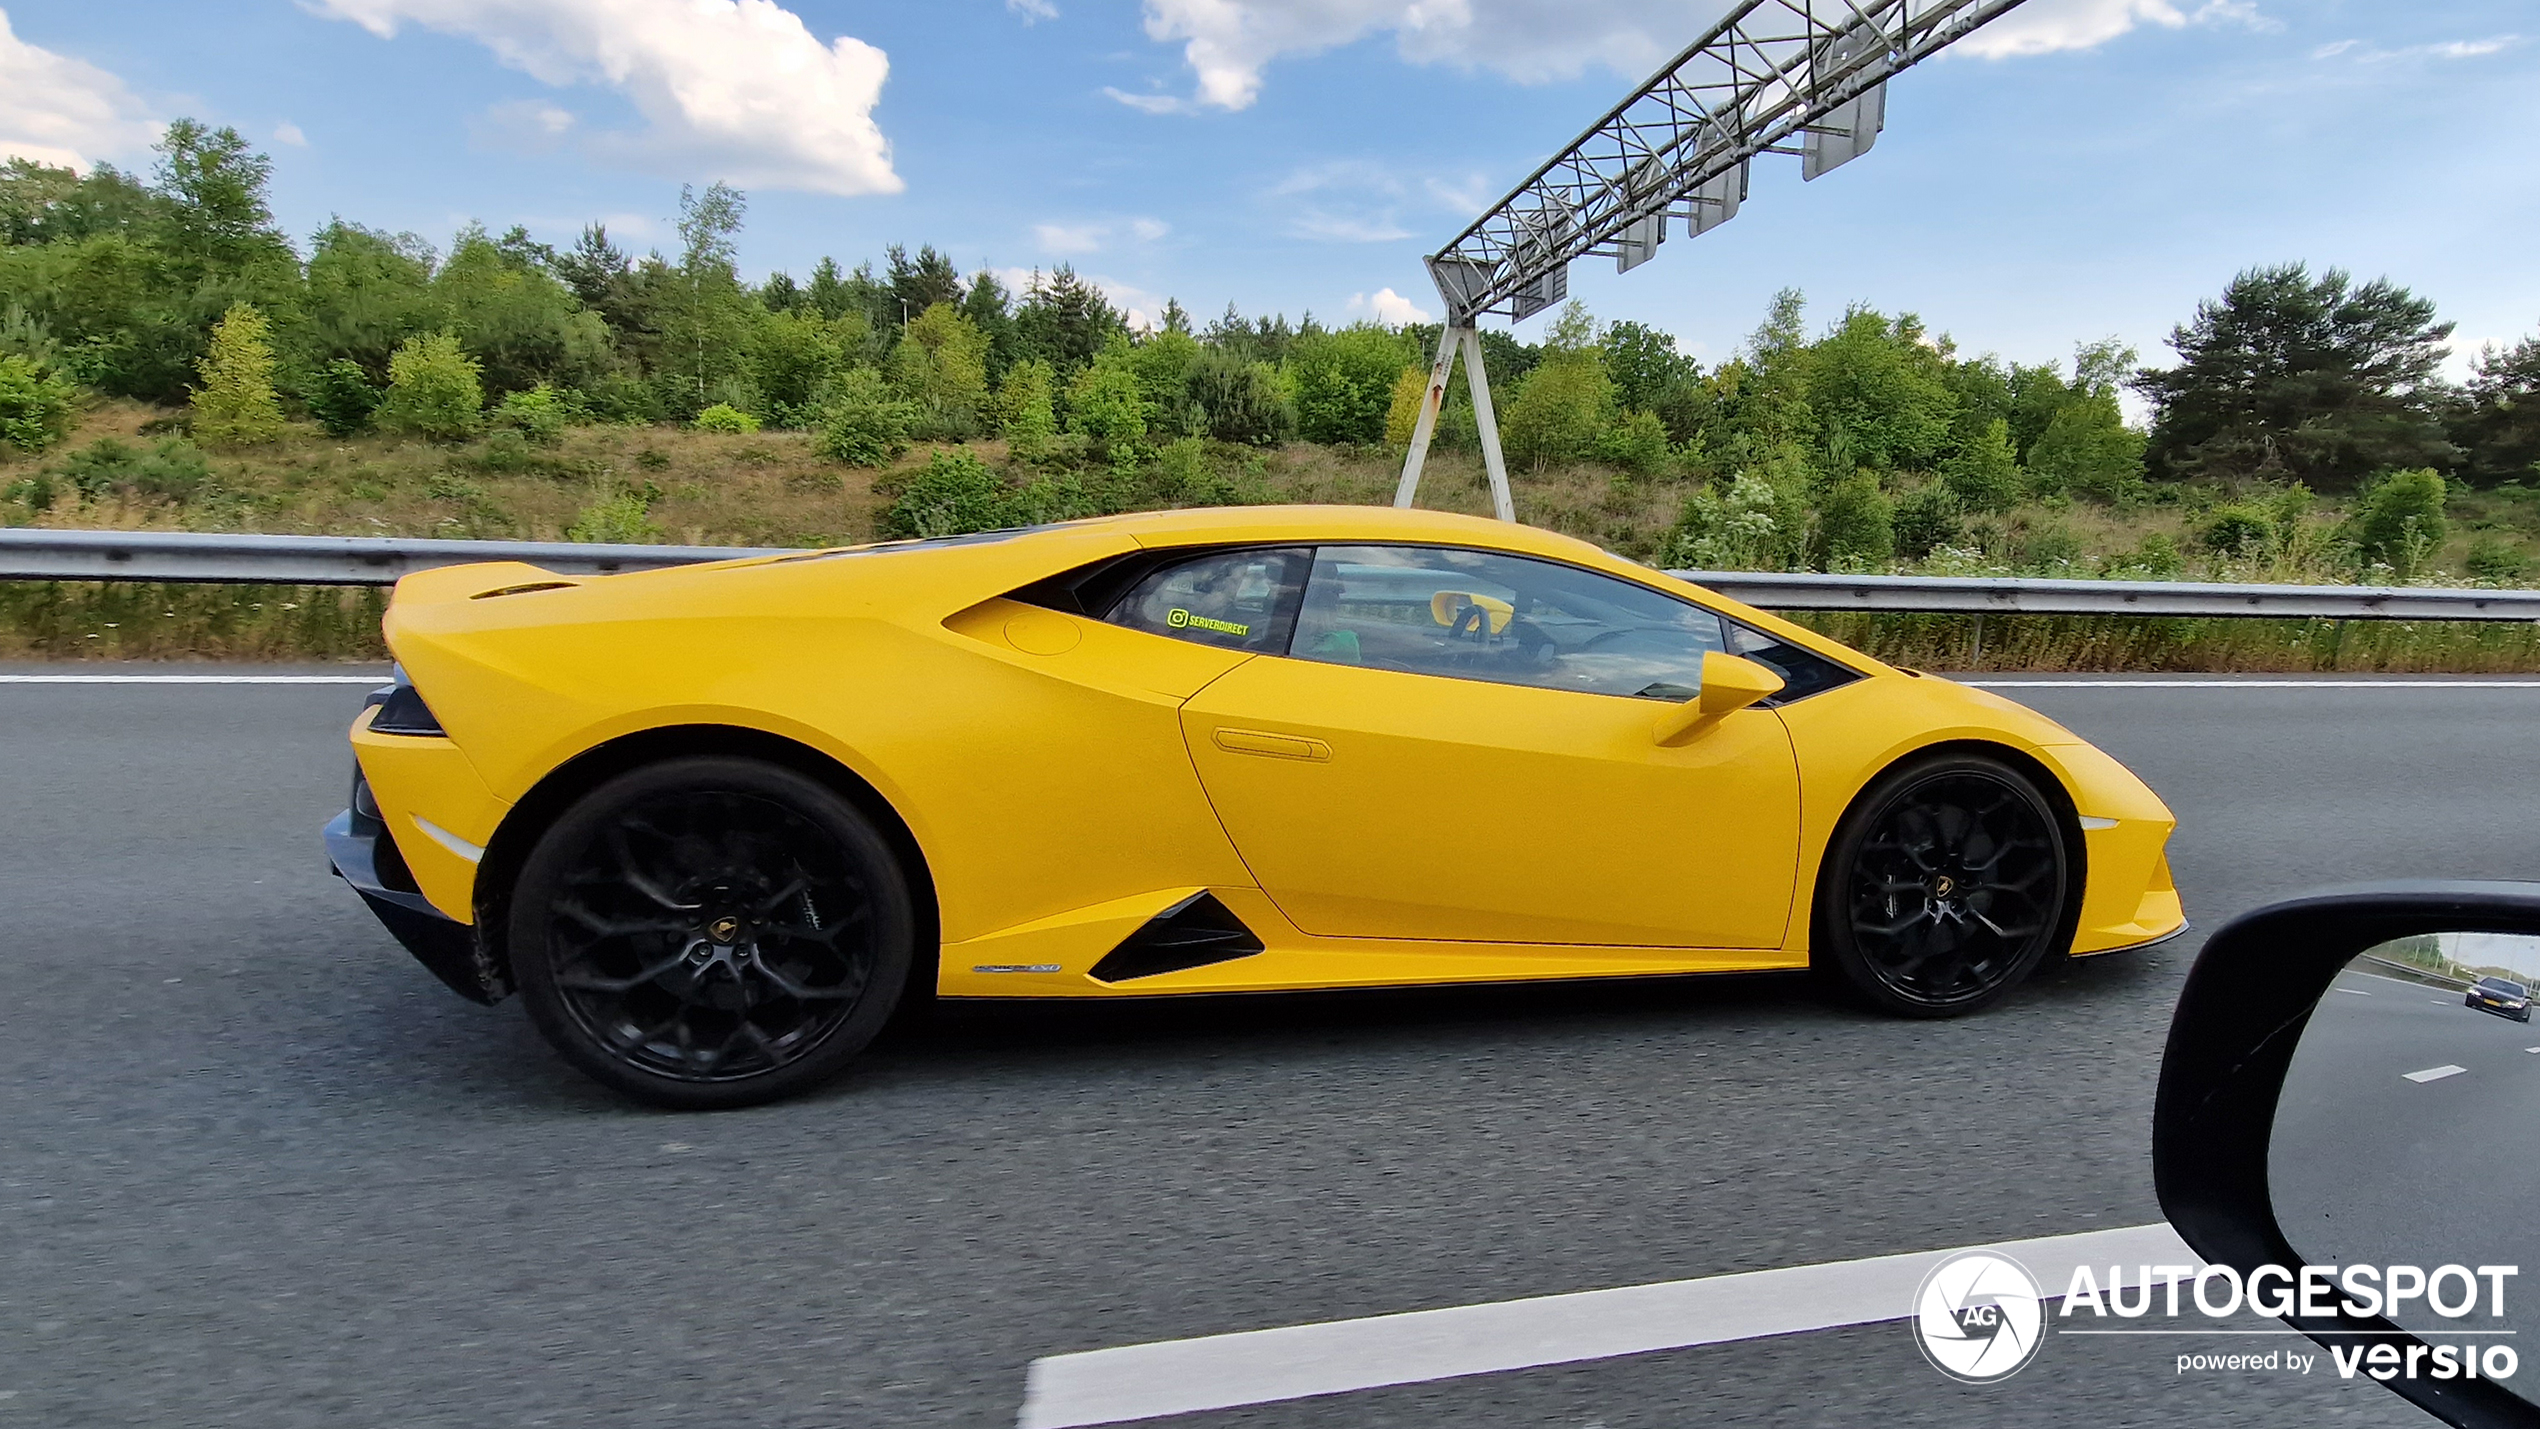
(710, 932)
(1944, 888)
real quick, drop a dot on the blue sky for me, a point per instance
(2087, 168)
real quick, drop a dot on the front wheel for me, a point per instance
(1944, 888)
(710, 932)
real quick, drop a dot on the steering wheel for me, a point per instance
(1473, 623)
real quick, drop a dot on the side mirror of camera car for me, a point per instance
(2349, 1099)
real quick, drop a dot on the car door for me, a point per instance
(1459, 746)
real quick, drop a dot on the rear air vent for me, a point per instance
(1193, 933)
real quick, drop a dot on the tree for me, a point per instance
(366, 292)
(2292, 376)
(793, 355)
(2087, 447)
(941, 365)
(1855, 525)
(1239, 400)
(1648, 371)
(1878, 394)
(2501, 425)
(920, 283)
(36, 404)
(1064, 321)
(1983, 474)
(521, 323)
(706, 312)
(434, 389)
(1562, 408)
(341, 397)
(236, 405)
(1106, 405)
(990, 310)
(1025, 410)
(1164, 361)
(1344, 382)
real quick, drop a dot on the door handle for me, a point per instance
(1274, 746)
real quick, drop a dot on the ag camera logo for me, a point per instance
(1979, 1317)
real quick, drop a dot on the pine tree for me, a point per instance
(236, 405)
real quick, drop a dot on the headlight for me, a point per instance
(402, 710)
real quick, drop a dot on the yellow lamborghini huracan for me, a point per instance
(715, 823)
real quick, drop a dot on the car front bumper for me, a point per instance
(361, 852)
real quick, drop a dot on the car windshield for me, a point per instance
(2497, 984)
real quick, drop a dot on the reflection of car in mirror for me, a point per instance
(2502, 996)
(715, 822)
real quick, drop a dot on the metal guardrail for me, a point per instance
(27, 554)
(307, 560)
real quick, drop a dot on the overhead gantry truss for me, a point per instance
(1799, 77)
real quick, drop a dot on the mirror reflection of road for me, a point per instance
(2435, 1166)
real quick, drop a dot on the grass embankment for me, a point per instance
(773, 489)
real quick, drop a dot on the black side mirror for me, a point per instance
(2353, 1080)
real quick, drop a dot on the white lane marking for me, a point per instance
(2357, 991)
(1301, 1361)
(194, 679)
(2254, 684)
(2435, 1074)
(449, 840)
(2531, 1049)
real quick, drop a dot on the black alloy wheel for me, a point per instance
(710, 933)
(1946, 886)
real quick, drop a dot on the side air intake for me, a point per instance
(1193, 933)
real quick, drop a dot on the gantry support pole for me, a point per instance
(1456, 337)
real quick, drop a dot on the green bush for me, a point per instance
(1926, 519)
(435, 390)
(539, 414)
(1239, 400)
(2493, 560)
(173, 470)
(340, 396)
(1637, 443)
(1983, 473)
(2398, 520)
(722, 417)
(2049, 547)
(1856, 527)
(1560, 411)
(862, 423)
(2236, 531)
(955, 494)
(36, 404)
(236, 404)
(621, 519)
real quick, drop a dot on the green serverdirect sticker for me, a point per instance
(1180, 619)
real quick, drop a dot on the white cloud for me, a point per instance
(1388, 307)
(1150, 103)
(521, 126)
(1033, 11)
(1068, 237)
(2044, 26)
(737, 86)
(2442, 50)
(292, 134)
(1095, 236)
(1228, 43)
(58, 110)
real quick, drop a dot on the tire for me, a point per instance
(1947, 884)
(711, 932)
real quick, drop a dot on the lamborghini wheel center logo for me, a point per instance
(1979, 1317)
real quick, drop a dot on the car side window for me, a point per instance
(1238, 600)
(1511, 620)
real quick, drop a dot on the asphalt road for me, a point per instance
(2409, 1134)
(257, 1168)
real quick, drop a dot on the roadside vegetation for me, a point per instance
(169, 359)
